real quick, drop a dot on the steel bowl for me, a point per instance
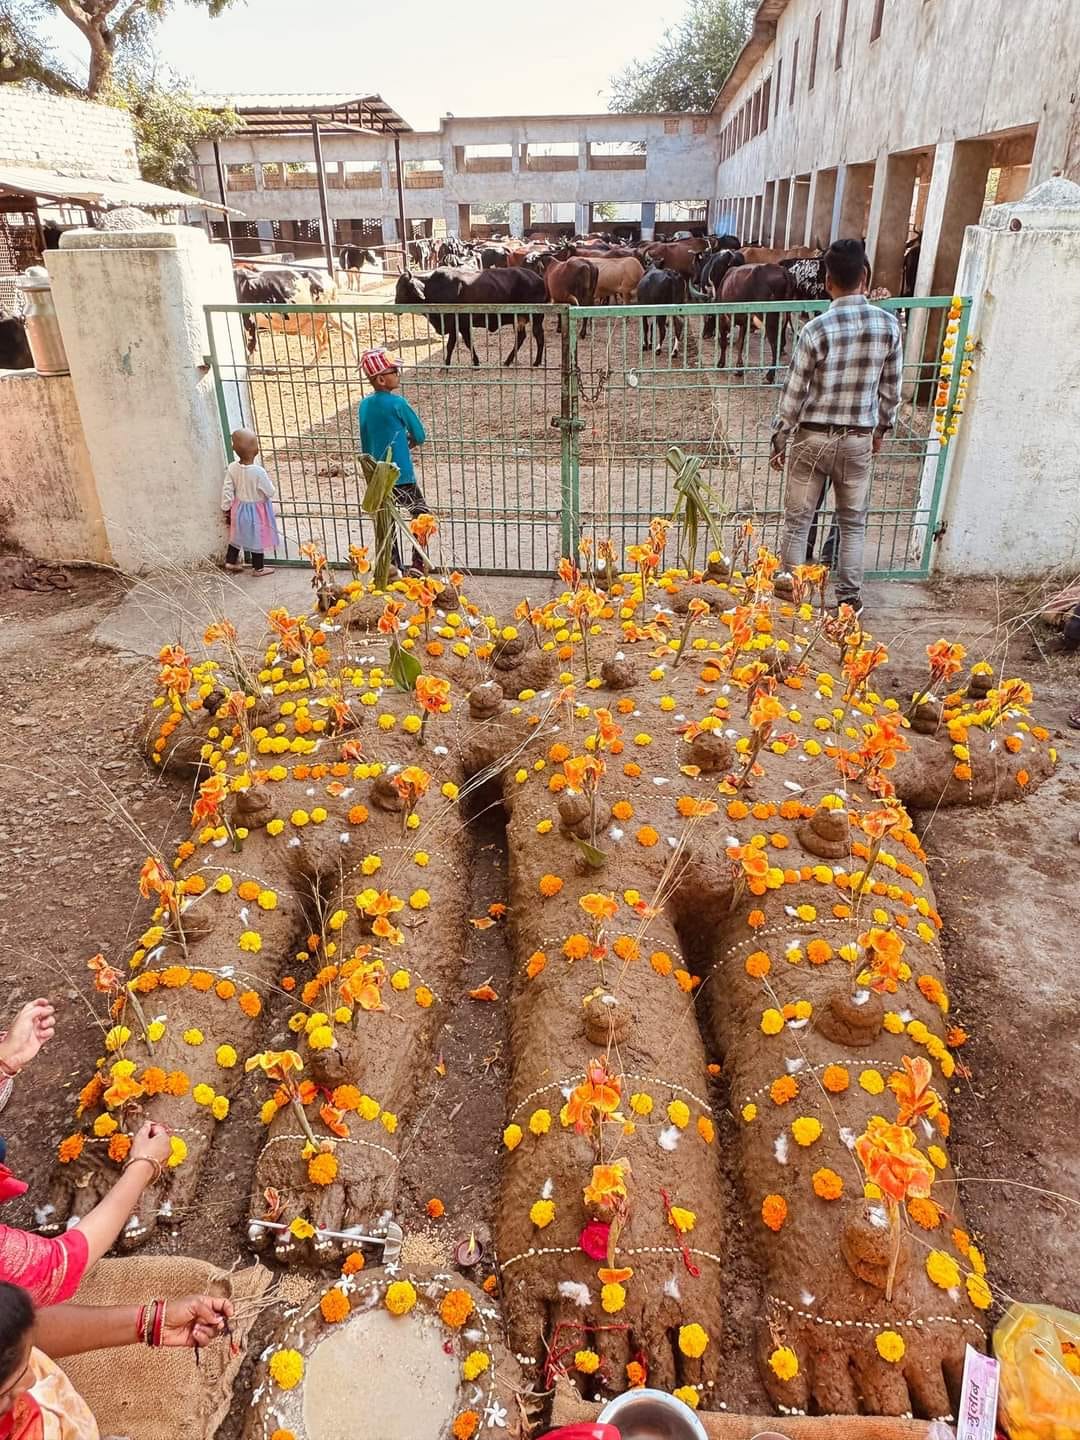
(652, 1415)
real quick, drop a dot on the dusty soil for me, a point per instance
(74, 795)
(493, 455)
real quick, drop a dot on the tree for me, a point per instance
(169, 123)
(690, 64)
(111, 28)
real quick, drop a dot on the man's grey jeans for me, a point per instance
(814, 457)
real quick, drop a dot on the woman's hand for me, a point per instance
(195, 1320)
(33, 1027)
(153, 1142)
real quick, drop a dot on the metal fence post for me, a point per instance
(934, 507)
(569, 424)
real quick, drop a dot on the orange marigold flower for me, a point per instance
(119, 1147)
(818, 951)
(835, 1079)
(626, 947)
(925, 1212)
(774, 1211)
(354, 1263)
(647, 837)
(737, 810)
(827, 1184)
(250, 1003)
(358, 814)
(335, 1306)
(154, 1080)
(576, 947)
(465, 1425)
(756, 919)
(661, 962)
(550, 885)
(622, 810)
(536, 962)
(758, 964)
(783, 1089)
(456, 1307)
(322, 1168)
(71, 1147)
(435, 1208)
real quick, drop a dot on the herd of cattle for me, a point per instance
(584, 271)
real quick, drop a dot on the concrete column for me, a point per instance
(780, 213)
(768, 209)
(515, 158)
(581, 219)
(954, 201)
(853, 184)
(266, 236)
(390, 229)
(464, 222)
(526, 217)
(257, 170)
(797, 212)
(648, 219)
(517, 219)
(1004, 514)
(821, 215)
(130, 310)
(755, 219)
(890, 215)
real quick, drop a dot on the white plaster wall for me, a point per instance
(48, 501)
(1012, 503)
(940, 70)
(75, 136)
(130, 310)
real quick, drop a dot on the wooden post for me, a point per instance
(401, 202)
(324, 209)
(223, 188)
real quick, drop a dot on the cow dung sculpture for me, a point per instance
(713, 873)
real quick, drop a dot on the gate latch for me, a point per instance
(561, 422)
(940, 528)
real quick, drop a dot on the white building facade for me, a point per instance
(865, 117)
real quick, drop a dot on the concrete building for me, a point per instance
(539, 171)
(867, 117)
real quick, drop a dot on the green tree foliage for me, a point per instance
(687, 68)
(169, 124)
(111, 29)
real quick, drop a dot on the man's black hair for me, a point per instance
(845, 263)
(16, 1322)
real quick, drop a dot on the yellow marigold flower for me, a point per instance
(202, 1094)
(275, 827)
(540, 1122)
(411, 724)
(512, 1136)
(806, 1129)
(678, 1113)
(104, 1125)
(368, 1108)
(979, 1292)
(388, 1121)
(943, 1270)
(267, 900)
(784, 1363)
(219, 1107)
(686, 1393)
(399, 980)
(749, 1112)
(177, 1152)
(872, 1082)
(117, 1036)
(641, 1104)
(475, 1363)
(612, 1298)
(318, 815)
(400, 1297)
(300, 818)
(321, 1038)
(225, 1056)
(772, 1022)
(419, 900)
(287, 1368)
(250, 941)
(587, 1362)
(155, 1030)
(693, 1340)
(938, 1158)
(370, 864)
(268, 1111)
(542, 1213)
(890, 1346)
(194, 1036)
(424, 997)
(337, 920)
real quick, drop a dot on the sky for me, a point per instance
(424, 57)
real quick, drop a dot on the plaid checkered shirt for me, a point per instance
(845, 370)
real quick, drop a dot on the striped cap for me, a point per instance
(378, 362)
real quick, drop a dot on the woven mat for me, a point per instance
(570, 1408)
(143, 1394)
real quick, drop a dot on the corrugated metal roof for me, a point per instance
(286, 101)
(100, 191)
(282, 114)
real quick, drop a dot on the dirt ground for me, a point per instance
(493, 451)
(75, 800)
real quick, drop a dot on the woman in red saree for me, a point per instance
(37, 1400)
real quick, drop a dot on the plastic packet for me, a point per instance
(1038, 1348)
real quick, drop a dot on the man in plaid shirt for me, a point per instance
(840, 399)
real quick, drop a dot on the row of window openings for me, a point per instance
(754, 115)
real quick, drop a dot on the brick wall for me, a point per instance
(73, 136)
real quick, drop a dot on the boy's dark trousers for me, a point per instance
(232, 557)
(411, 498)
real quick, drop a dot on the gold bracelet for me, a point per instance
(158, 1168)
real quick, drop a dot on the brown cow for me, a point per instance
(772, 255)
(752, 282)
(617, 279)
(570, 282)
(677, 255)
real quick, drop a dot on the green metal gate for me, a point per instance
(523, 460)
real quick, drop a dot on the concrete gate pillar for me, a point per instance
(849, 203)
(266, 236)
(582, 215)
(821, 215)
(648, 219)
(517, 219)
(780, 213)
(1010, 494)
(795, 234)
(130, 310)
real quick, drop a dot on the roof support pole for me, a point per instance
(401, 203)
(224, 197)
(324, 209)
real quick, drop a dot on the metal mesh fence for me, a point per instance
(521, 458)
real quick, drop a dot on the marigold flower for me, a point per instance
(587, 1362)
(926, 1213)
(774, 1211)
(782, 1089)
(758, 964)
(835, 1078)
(335, 1306)
(647, 837)
(612, 1298)
(400, 1297)
(542, 1213)
(806, 1129)
(353, 1263)
(827, 1184)
(540, 1122)
(890, 1346)
(119, 1147)
(550, 885)
(678, 1112)
(688, 1395)
(772, 1022)
(475, 1363)
(435, 1208)
(784, 1363)
(465, 1425)
(322, 1168)
(287, 1368)
(456, 1307)
(71, 1147)
(693, 1340)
